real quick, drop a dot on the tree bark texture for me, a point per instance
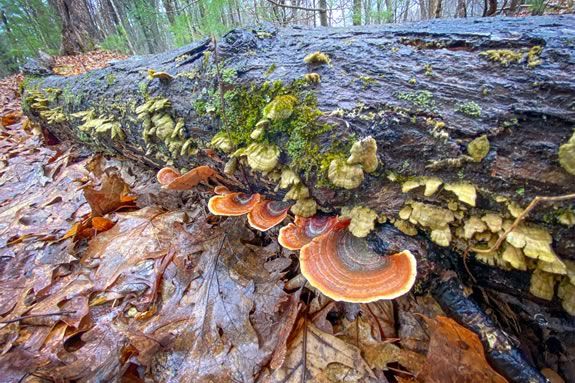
(78, 30)
(372, 87)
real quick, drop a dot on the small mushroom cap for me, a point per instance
(344, 268)
(233, 204)
(267, 214)
(221, 190)
(298, 234)
(192, 178)
(167, 175)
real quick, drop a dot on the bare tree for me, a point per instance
(78, 29)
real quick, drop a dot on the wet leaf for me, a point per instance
(456, 355)
(109, 196)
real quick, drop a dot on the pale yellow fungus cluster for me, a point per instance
(464, 191)
(261, 157)
(364, 153)
(431, 184)
(280, 108)
(343, 175)
(222, 142)
(362, 221)
(478, 148)
(158, 123)
(567, 155)
(313, 78)
(429, 216)
(317, 58)
(100, 124)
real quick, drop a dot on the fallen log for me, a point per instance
(469, 119)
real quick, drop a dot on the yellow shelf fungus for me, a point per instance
(313, 78)
(288, 178)
(317, 58)
(343, 175)
(431, 184)
(542, 285)
(465, 192)
(514, 257)
(297, 192)
(493, 221)
(280, 108)
(364, 153)
(362, 221)
(478, 148)
(222, 142)
(434, 218)
(566, 293)
(306, 207)
(262, 157)
(567, 155)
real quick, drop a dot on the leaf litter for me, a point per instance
(104, 276)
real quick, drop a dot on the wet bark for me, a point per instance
(527, 113)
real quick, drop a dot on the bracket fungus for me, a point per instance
(364, 153)
(478, 148)
(317, 58)
(296, 235)
(431, 185)
(343, 175)
(567, 155)
(305, 207)
(261, 157)
(267, 214)
(186, 181)
(167, 175)
(233, 204)
(464, 191)
(280, 108)
(362, 221)
(344, 268)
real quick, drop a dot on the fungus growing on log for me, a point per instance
(478, 148)
(233, 204)
(187, 180)
(567, 155)
(343, 175)
(298, 234)
(464, 191)
(317, 58)
(362, 221)
(261, 157)
(305, 207)
(281, 108)
(267, 214)
(364, 153)
(344, 268)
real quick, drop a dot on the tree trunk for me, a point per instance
(356, 17)
(491, 8)
(461, 10)
(78, 30)
(419, 129)
(438, 9)
(323, 14)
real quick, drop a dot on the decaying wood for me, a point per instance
(370, 88)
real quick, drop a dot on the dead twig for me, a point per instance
(18, 319)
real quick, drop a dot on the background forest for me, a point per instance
(150, 26)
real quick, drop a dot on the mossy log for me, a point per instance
(480, 112)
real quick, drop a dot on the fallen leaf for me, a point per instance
(110, 196)
(456, 355)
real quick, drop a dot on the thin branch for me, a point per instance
(521, 217)
(296, 7)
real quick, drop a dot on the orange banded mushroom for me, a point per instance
(221, 190)
(298, 234)
(185, 181)
(344, 268)
(267, 214)
(167, 175)
(233, 204)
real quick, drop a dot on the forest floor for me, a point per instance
(105, 276)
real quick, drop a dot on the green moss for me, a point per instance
(422, 98)
(110, 78)
(470, 108)
(143, 87)
(297, 135)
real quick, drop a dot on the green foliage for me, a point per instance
(29, 26)
(116, 42)
(537, 7)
